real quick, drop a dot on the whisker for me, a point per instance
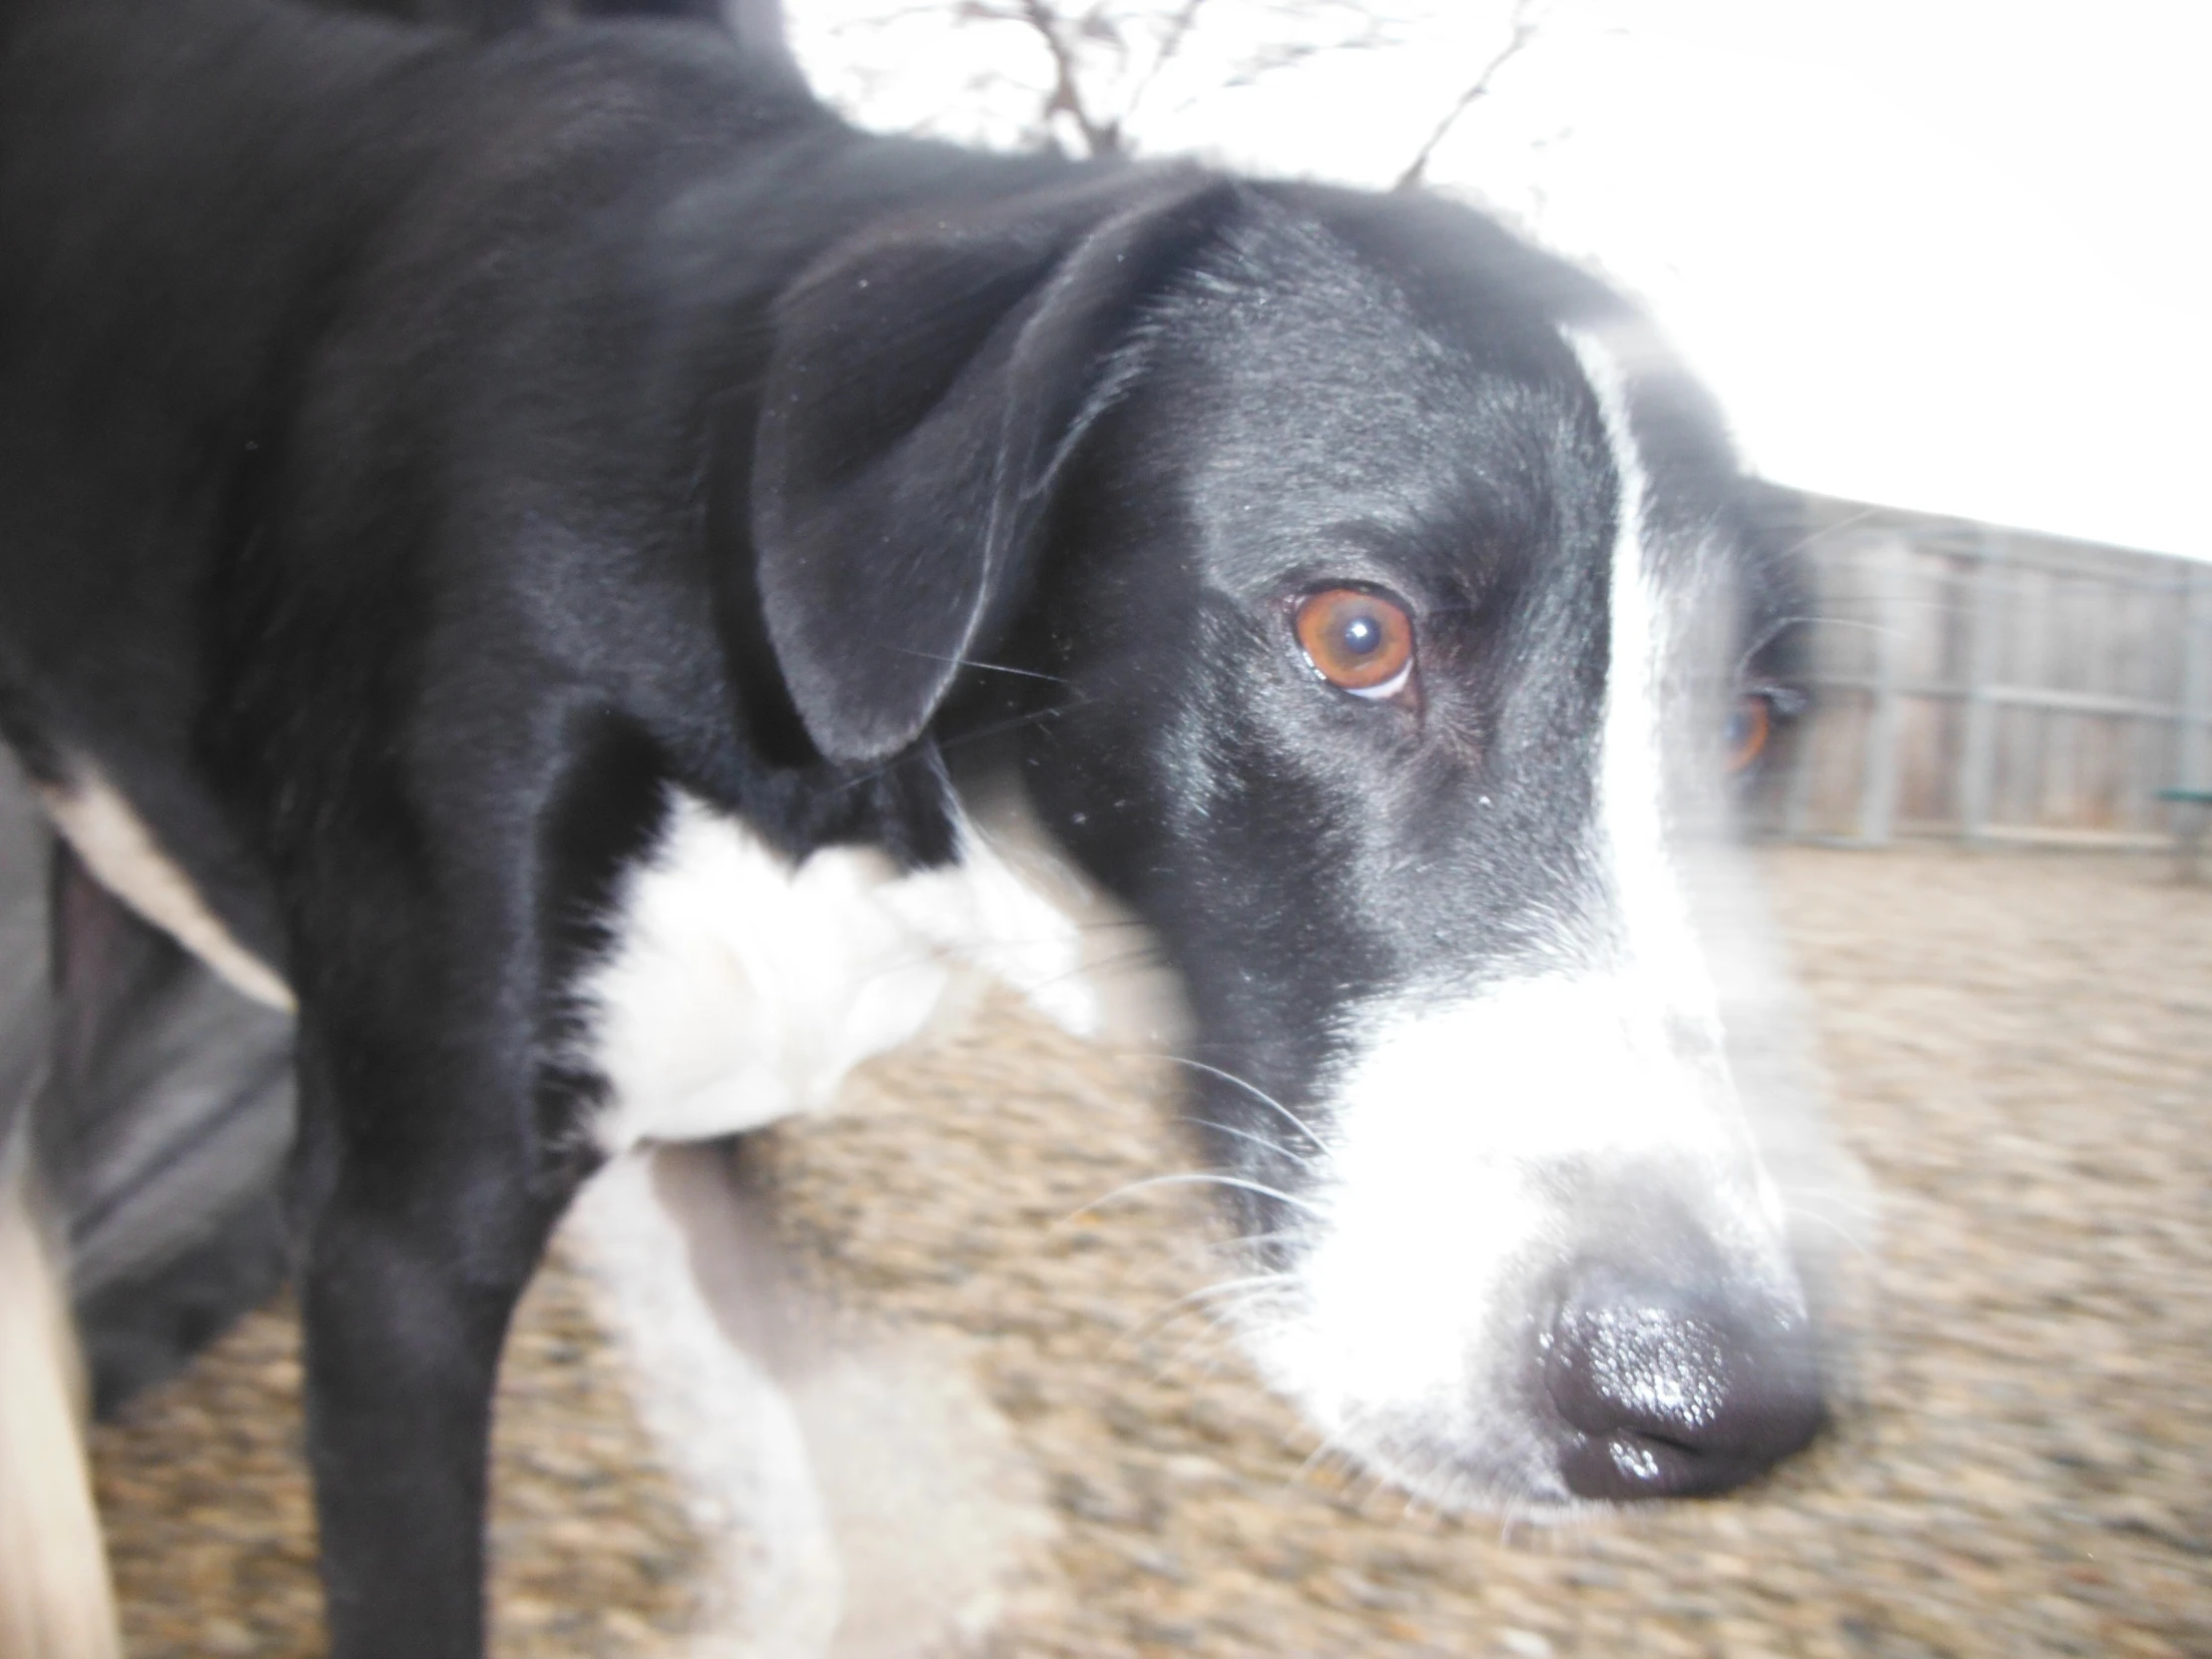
(995, 729)
(1827, 1194)
(1774, 629)
(977, 662)
(1256, 1093)
(1223, 1333)
(1822, 532)
(1334, 1445)
(1879, 629)
(1220, 1327)
(1193, 1178)
(1158, 1321)
(1304, 1161)
(1858, 1246)
(1231, 1288)
(1100, 965)
(1113, 925)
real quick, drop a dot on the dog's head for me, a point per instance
(1382, 632)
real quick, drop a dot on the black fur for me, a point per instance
(417, 454)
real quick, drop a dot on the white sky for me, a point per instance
(1953, 254)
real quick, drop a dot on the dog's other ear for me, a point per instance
(926, 382)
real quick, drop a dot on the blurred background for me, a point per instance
(1948, 257)
(1948, 269)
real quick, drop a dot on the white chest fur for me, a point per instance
(742, 988)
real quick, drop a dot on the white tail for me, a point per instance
(55, 1598)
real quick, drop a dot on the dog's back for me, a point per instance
(323, 153)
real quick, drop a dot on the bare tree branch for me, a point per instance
(1170, 44)
(1100, 138)
(1267, 59)
(1097, 73)
(1524, 30)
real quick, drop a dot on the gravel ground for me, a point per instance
(2021, 1048)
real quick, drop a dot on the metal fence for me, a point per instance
(1991, 685)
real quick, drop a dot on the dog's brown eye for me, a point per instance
(1748, 727)
(1358, 642)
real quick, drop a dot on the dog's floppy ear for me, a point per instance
(925, 382)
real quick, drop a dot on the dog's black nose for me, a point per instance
(1674, 1394)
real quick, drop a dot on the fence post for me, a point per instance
(2190, 757)
(1819, 549)
(1977, 743)
(1877, 783)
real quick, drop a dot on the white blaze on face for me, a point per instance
(1650, 908)
(1467, 1116)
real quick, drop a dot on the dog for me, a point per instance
(592, 582)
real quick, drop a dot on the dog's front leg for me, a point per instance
(421, 1232)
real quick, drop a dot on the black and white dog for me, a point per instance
(593, 580)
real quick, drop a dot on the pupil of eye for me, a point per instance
(1361, 635)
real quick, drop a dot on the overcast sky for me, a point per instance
(1953, 254)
